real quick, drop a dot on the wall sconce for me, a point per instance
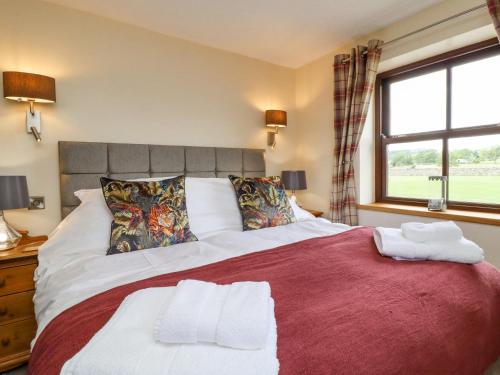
(274, 119)
(31, 88)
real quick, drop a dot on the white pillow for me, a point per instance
(86, 220)
(211, 204)
(300, 213)
(84, 232)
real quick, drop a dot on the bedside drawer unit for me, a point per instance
(316, 213)
(17, 279)
(17, 317)
(15, 340)
(17, 306)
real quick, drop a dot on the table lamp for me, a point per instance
(13, 195)
(294, 180)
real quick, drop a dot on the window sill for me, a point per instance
(458, 215)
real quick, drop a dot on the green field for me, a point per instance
(484, 189)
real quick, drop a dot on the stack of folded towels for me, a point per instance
(435, 241)
(235, 316)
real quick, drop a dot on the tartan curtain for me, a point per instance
(354, 81)
(494, 9)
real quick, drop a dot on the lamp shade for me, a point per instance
(276, 118)
(294, 180)
(27, 86)
(13, 192)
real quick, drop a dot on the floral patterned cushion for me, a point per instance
(262, 201)
(146, 214)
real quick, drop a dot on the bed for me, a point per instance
(340, 307)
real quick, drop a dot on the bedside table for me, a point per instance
(17, 318)
(316, 213)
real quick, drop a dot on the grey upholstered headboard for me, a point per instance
(81, 164)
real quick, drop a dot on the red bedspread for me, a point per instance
(341, 308)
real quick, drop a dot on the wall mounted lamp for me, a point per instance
(275, 119)
(31, 88)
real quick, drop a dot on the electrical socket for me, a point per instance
(37, 203)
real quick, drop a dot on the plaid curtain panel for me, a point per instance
(354, 81)
(494, 9)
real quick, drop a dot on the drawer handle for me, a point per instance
(3, 311)
(2, 283)
(5, 341)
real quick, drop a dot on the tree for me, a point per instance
(400, 159)
(427, 157)
(495, 153)
(464, 155)
(491, 154)
(476, 158)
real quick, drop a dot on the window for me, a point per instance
(441, 116)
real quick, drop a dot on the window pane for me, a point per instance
(418, 104)
(409, 165)
(475, 169)
(475, 98)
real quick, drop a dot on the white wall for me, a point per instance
(118, 83)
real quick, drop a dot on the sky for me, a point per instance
(419, 104)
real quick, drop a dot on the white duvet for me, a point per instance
(67, 278)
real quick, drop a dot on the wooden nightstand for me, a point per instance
(17, 318)
(316, 213)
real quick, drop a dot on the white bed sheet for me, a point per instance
(65, 278)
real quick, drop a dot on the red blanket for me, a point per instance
(341, 308)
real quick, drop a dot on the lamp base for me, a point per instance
(293, 198)
(9, 237)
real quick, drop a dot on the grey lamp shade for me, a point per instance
(294, 180)
(13, 192)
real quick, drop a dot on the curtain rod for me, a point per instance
(434, 24)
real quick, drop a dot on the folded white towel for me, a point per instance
(179, 317)
(437, 231)
(126, 346)
(244, 319)
(391, 242)
(233, 315)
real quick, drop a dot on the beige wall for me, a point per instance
(118, 83)
(314, 91)
(314, 103)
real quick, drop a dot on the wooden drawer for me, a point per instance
(17, 279)
(16, 337)
(16, 306)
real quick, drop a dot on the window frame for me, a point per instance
(445, 61)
